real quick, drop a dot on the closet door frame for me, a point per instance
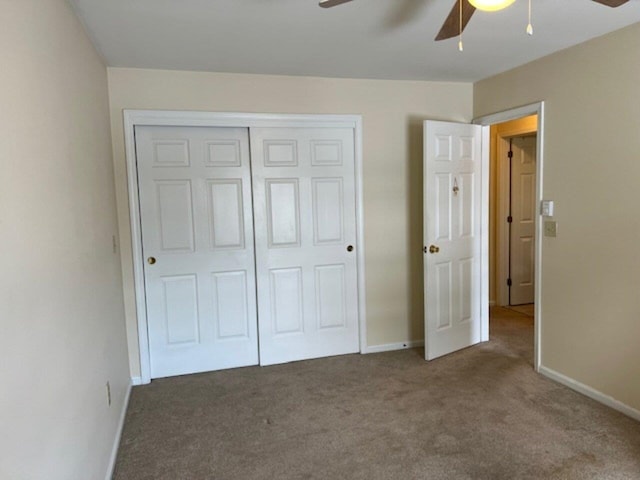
(133, 118)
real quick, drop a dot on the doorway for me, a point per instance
(517, 122)
(452, 152)
(512, 185)
(513, 209)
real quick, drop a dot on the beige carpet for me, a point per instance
(477, 414)
(528, 309)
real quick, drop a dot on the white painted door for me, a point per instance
(197, 235)
(305, 222)
(523, 227)
(452, 235)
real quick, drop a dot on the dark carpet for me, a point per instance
(481, 413)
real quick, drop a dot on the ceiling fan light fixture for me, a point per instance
(491, 5)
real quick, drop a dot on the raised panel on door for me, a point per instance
(223, 153)
(170, 153)
(331, 310)
(442, 206)
(466, 184)
(196, 218)
(304, 210)
(328, 208)
(283, 212)
(443, 285)
(180, 306)
(326, 153)
(280, 153)
(230, 297)
(227, 213)
(287, 310)
(523, 211)
(175, 215)
(452, 236)
(465, 292)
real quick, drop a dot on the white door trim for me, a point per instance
(133, 118)
(484, 234)
(502, 231)
(526, 110)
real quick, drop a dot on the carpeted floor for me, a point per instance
(527, 309)
(481, 413)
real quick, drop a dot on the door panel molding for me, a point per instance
(325, 153)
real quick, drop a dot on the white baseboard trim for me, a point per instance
(116, 443)
(394, 346)
(135, 381)
(590, 392)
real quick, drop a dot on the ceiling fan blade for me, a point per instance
(612, 3)
(332, 3)
(451, 26)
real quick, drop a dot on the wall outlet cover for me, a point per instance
(550, 229)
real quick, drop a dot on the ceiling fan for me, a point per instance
(453, 25)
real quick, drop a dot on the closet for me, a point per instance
(248, 238)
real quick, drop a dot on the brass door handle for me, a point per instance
(434, 249)
(151, 260)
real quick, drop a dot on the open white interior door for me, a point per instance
(456, 316)
(523, 225)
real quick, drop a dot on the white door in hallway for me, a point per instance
(197, 239)
(523, 213)
(452, 236)
(305, 233)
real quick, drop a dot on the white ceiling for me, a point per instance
(389, 39)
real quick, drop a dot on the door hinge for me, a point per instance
(509, 219)
(509, 283)
(510, 154)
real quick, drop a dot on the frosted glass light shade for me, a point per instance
(491, 5)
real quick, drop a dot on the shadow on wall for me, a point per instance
(415, 256)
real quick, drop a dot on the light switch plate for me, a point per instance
(547, 208)
(550, 229)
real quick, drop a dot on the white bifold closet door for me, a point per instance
(207, 292)
(305, 237)
(197, 236)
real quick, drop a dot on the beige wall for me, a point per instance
(62, 318)
(590, 276)
(392, 114)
